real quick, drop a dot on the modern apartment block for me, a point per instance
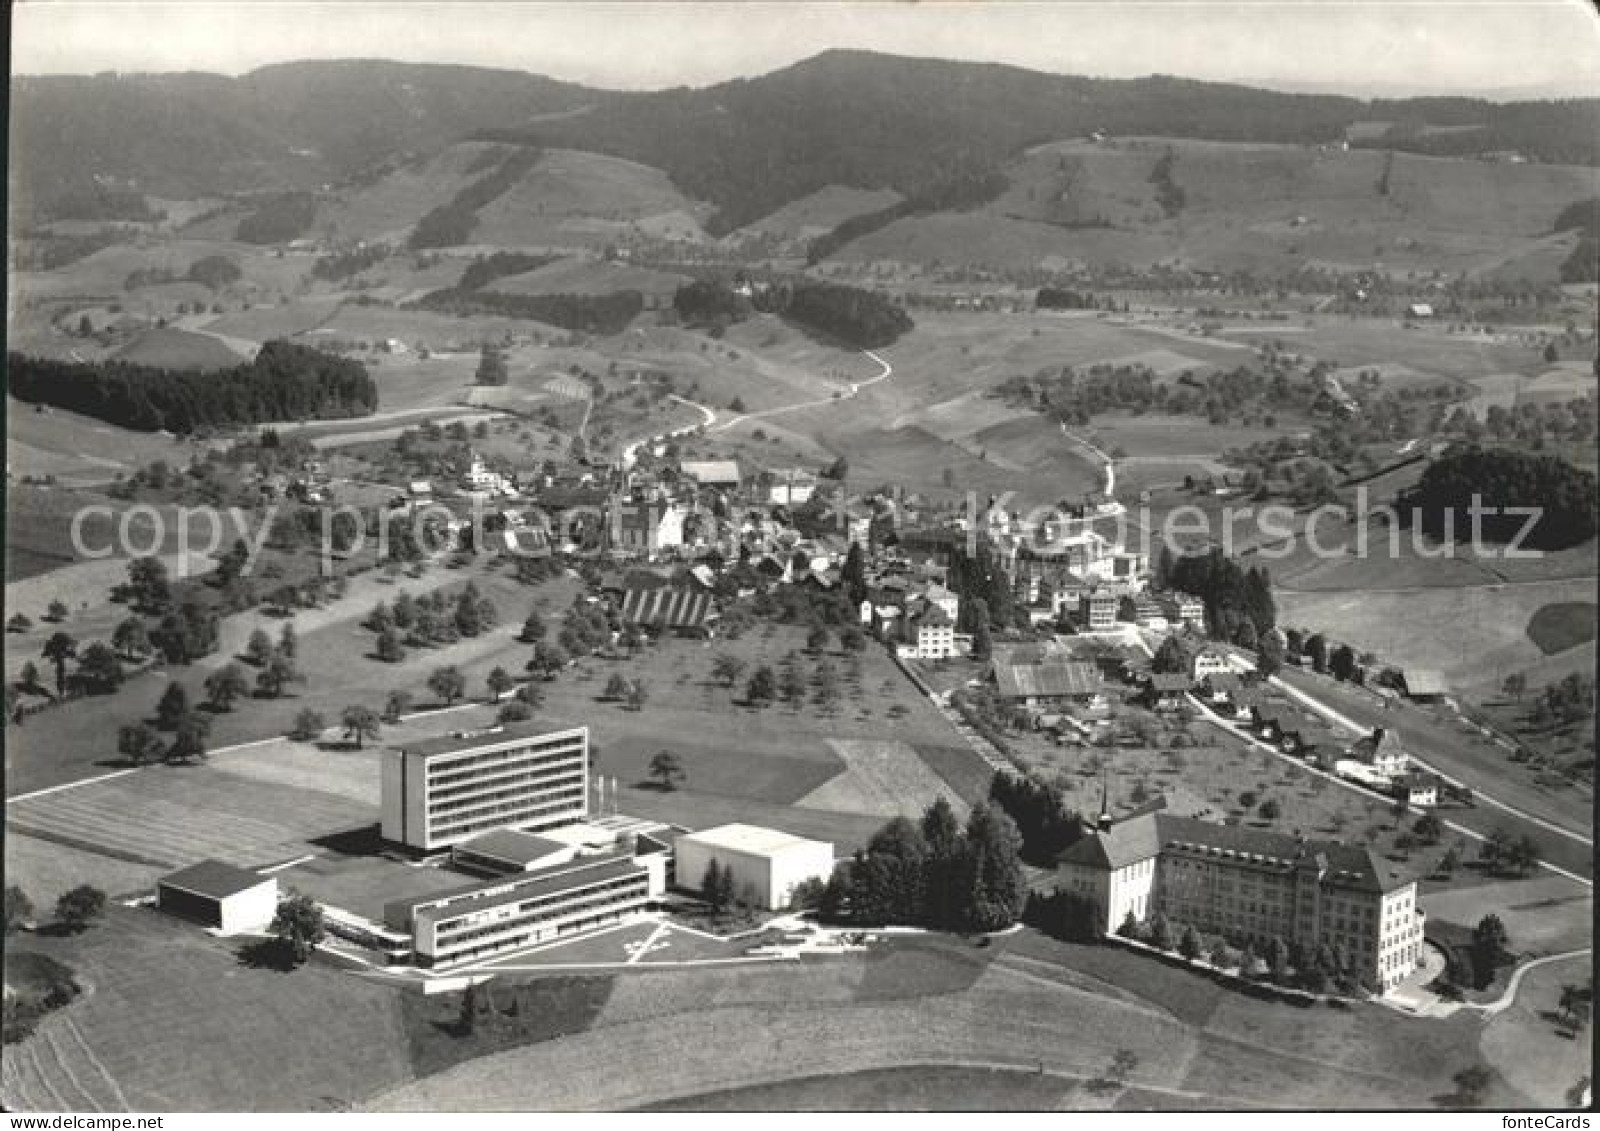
(442, 791)
(1251, 884)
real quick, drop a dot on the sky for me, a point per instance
(1503, 48)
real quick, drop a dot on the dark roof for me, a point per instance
(214, 879)
(1346, 865)
(1168, 681)
(1380, 742)
(469, 740)
(565, 498)
(504, 890)
(1126, 842)
(1052, 677)
(666, 607)
(1224, 681)
(512, 846)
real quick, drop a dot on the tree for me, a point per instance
(491, 367)
(1171, 657)
(616, 687)
(817, 639)
(258, 650)
(298, 926)
(1278, 960)
(77, 908)
(396, 705)
(1428, 829)
(172, 707)
(791, 684)
(447, 683)
(359, 723)
(1342, 664)
(1316, 650)
(227, 684)
(853, 575)
(19, 622)
(1472, 1084)
(58, 650)
(727, 668)
(1245, 635)
(982, 638)
(1269, 655)
(1574, 1007)
(278, 673)
(1190, 945)
(1160, 933)
(308, 725)
(389, 649)
(667, 768)
(1489, 941)
(131, 639)
(761, 689)
(1269, 810)
(288, 640)
(717, 886)
(1450, 861)
(138, 743)
(534, 628)
(1514, 685)
(19, 909)
(638, 694)
(851, 639)
(1130, 928)
(499, 682)
(1524, 855)
(99, 668)
(28, 676)
(57, 611)
(189, 738)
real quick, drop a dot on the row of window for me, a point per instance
(444, 785)
(631, 891)
(451, 763)
(564, 802)
(539, 786)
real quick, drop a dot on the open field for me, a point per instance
(820, 212)
(387, 209)
(77, 449)
(176, 1021)
(880, 779)
(911, 1088)
(1544, 914)
(1526, 1046)
(1476, 635)
(170, 348)
(580, 199)
(1044, 1005)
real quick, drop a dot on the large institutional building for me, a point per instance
(523, 908)
(771, 864)
(442, 791)
(1252, 883)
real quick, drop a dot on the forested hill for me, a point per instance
(286, 381)
(856, 118)
(749, 146)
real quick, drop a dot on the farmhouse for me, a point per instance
(1420, 790)
(1252, 883)
(1208, 661)
(1047, 682)
(766, 863)
(1382, 751)
(1424, 684)
(442, 791)
(219, 895)
(1164, 691)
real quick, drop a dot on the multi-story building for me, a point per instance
(1097, 611)
(1253, 885)
(442, 791)
(1208, 661)
(1181, 608)
(524, 908)
(932, 635)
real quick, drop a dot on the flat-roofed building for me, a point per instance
(521, 909)
(442, 791)
(767, 862)
(219, 895)
(505, 851)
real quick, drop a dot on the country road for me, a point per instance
(850, 391)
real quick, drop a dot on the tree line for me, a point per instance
(280, 218)
(1563, 497)
(934, 873)
(592, 314)
(286, 381)
(451, 224)
(1232, 594)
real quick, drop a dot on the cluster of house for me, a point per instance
(516, 854)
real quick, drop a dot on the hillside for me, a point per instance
(1261, 208)
(870, 121)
